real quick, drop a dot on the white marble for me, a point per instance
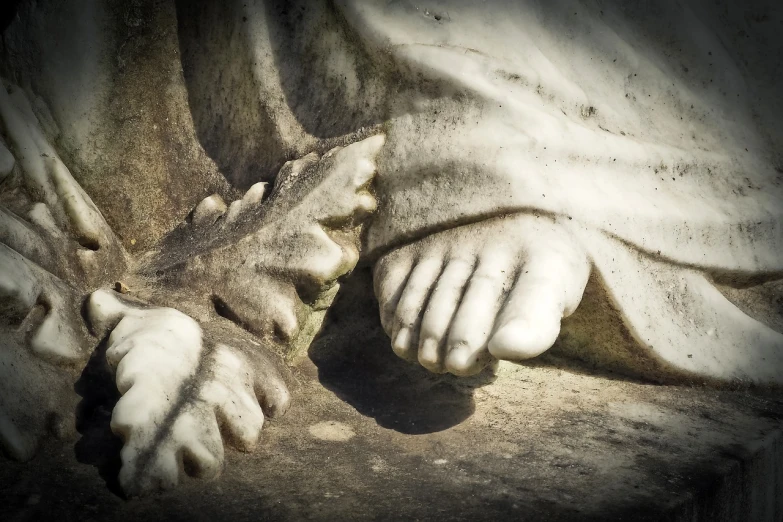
(178, 394)
(622, 123)
(650, 154)
(521, 176)
(23, 286)
(272, 262)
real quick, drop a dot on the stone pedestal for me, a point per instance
(371, 437)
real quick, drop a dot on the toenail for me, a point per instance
(461, 358)
(518, 340)
(428, 355)
(401, 341)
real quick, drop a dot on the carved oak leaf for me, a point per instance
(42, 338)
(273, 266)
(181, 393)
(58, 336)
(54, 244)
(61, 217)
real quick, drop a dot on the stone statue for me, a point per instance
(591, 150)
(536, 148)
(520, 176)
(187, 381)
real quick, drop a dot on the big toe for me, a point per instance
(407, 316)
(521, 339)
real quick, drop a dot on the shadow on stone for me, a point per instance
(555, 359)
(355, 361)
(98, 446)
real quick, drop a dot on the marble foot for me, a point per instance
(496, 289)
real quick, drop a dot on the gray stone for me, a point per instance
(540, 442)
(559, 204)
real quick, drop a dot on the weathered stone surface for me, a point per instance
(179, 380)
(631, 133)
(601, 179)
(271, 266)
(184, 390)
(657, 141)
(54, 245)
(110, 75)
(534, 443)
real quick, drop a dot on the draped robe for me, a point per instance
(646, 134)
(651, 131)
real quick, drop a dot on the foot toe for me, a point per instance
(548, 287)
(520, 339)
(472, 324)
(407, 317)
(389, 278)
(430, 355)
(464, 360)
(439, 313)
